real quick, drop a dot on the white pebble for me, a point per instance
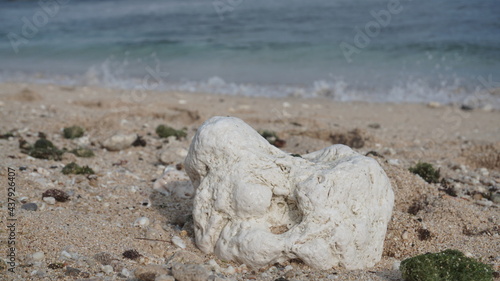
(393, 162)
(181, 152)
(65, 254)
(49, 200)
(332, 276)
(164, 277)
(108, 269)
(288, 268)
(214, 265)
(125, 272)
(38, 256)
(230, 270)
(141, 222)
(43, 172)
(178, 242)
(484, 202)
(396, 265)
(484, 172)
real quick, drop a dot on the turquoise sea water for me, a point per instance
(375, 50)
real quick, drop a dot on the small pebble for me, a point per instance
(103, 258)
(150, 272)
(484, 202)
(393, 162)
(189, 272)
(434, 104)
(484, 172)
(43, 172)
(142, 222)
(71, 271)
(49, 200)
(119, 142)
(38, 256)
(396, 265)
(495, 198)
(178, 242)
(230, 270)
(164, 277)
(29, 207)
(66, 255)
(288, 268)
(125, 272)
(108, 269)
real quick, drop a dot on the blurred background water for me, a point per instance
(429, 50)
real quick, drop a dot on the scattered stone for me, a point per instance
(73, 132)
(150, 272)
(29, 207)
(164, 131)
(142, 222)
(119, 142)
(43, 172)
(49, 200)
(174, 182)
(177, 241)
(184, 256)
(189, 272)
(108, 269)
(83, 152)
(262, 222)
(495, 198)
(71, 271)
(131, 254)
(374, 125)
(426, 171)
(396, 265)
(434, 104)
(57, 194)
(484, 202)
(73, 168)
(164, 277)
(38, 256)
(484, 172)
(393, 162)
(103, 258)
(448, 265)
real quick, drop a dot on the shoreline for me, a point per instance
(100, 215)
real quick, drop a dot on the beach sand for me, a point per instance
(100, 215)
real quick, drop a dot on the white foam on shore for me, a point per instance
(414, 91)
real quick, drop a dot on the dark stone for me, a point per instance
(29, 207)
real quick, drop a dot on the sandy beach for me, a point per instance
(461, 212)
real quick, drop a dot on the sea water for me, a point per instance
(372, 50)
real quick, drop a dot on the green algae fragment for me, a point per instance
(164, 131)
(42, 149)
(448, 265)
(73, 168)
(426, 171)
(83, 152)
(73, 132)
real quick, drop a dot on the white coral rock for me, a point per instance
(258, 205)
